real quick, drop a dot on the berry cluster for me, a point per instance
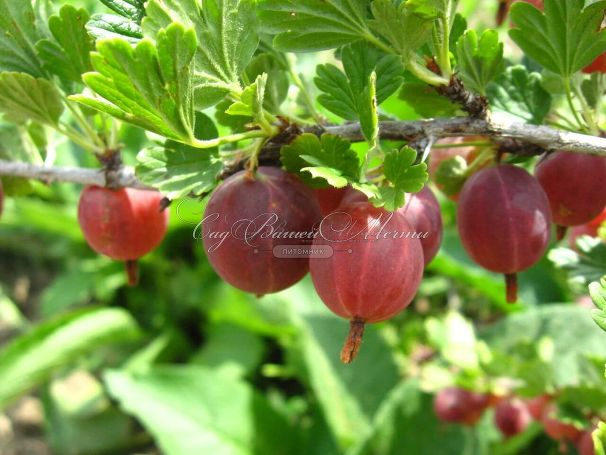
(512, 415)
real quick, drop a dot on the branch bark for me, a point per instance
(524, 135)
(125, 177)
(541, 136)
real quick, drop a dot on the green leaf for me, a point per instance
(368, 110)
(105, 26)
(404, 28)
(276, 89)
(349, 395)
(193, 410)
(479, 60)
(313, 25)
(231, 349)
(149, 85)
(31, 359)
(425, 100)
(228, 38)
(18, 38)
(24, 97)
(521, 94)
(597, 290)
(332, 158)
(571, 333)
(177, 169)
(403, 176)
(585, 265)
(342, 90)
(564, 39)
(406, 423)
(68, 57)
(599, 439)
(131, 9)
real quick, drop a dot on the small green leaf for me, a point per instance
(24, 97)
(276, 89)
(177, 169)
(149, 86)
(31, 359)
(131, 9)
(332, 158)
(69, 55)
(564, 39)
(406, 29)
(313, 25)
(105, 26)
(368, 108)
(20, 33)
(521, 94)
(403, 176)
(251, 101)
(479, 60)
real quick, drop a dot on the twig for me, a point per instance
(124, 178)
(516, 138)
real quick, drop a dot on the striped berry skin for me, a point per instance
(423, 212)
(375, 270)
(504, 221)
(574, 184)
(123, 224)
(242, 205)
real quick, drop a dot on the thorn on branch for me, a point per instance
(475, 105)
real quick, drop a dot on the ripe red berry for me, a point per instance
(557, 429)
(458, 405)
(537, 405)
(573, 183)
(374, 271)
(423, 212)
(330, 198)
(597, 66)
(504, 221)
(123, 224)
(247, 217)
(585, 444)
(512, 417)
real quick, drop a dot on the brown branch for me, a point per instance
(515, 138)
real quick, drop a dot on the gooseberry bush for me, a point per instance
(418, 185)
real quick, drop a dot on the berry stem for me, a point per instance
(561, 232)
(353, 342)
(511, 284)
(132, 272)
